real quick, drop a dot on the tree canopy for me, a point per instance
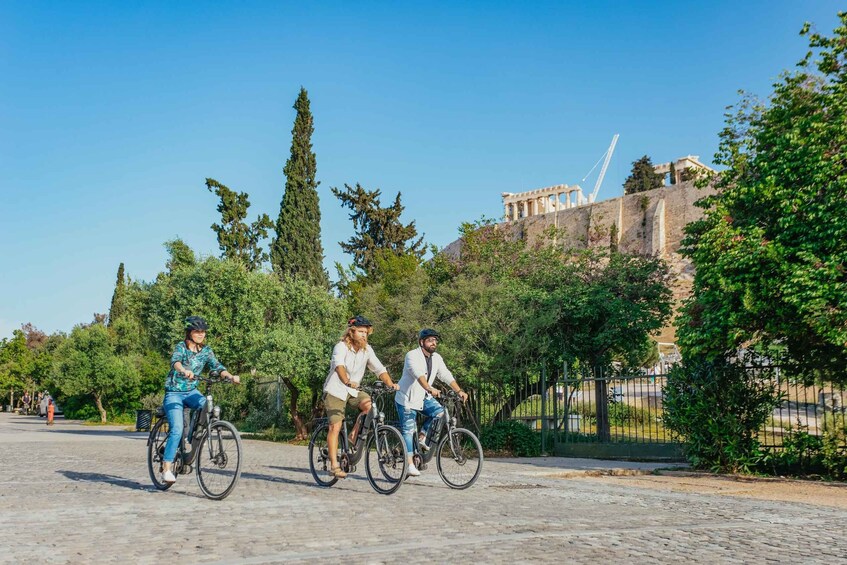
(771, 251)
(643, 177)
(378, 230)
(236, 239)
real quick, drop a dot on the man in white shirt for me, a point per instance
(350, 358)
(422, 366)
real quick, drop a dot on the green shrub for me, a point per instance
(511, 436)
(718, 407)
(805, 454)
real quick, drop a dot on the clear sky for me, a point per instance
(112, 114)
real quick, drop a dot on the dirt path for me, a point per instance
(781, 490)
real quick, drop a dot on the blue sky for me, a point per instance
(112, 114)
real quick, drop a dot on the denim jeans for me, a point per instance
(431, 409)
(174, 404)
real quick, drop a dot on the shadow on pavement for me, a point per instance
(96, 432)
(102, 478)
(273, 479)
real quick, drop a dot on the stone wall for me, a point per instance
(650, 223)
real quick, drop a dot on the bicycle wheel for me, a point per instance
(156, 452)
(219, 460)
(459, 458)
(319, 462)
(385, 459)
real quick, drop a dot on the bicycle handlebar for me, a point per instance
(214, 377)
(376, 389)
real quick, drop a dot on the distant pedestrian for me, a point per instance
(51, 409)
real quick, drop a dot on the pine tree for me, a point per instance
(643, 177)
(378, 230)
(297, 250)
(236, 239)
(117, 306)
(672, 173)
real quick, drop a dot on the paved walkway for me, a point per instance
(79, 494)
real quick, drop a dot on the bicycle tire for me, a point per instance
(319, 463)
(468, 460)
(155, 452)
(385, 459)
(215, 476)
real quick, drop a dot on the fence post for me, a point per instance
(544, 410)
(279, 395)
(601, 401)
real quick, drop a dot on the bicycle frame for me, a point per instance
(374, 418)
(199, 421)
(435, 437)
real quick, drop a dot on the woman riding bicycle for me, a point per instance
(350, 357)
(189, 359)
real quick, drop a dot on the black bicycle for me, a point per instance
(381, 444)
(457, 451)
(208, 443)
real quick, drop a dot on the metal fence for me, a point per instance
(601, 413)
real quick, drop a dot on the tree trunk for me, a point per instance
(98, 400)
(299, 425)
(521, 393)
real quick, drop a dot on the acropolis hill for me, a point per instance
(648, 223)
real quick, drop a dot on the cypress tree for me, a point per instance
(297, 251)
(643, 177)
(117, 306)
(673, 174)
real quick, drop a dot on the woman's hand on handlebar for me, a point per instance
(189, 374)
(234, 378)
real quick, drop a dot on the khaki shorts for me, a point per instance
(335, 406)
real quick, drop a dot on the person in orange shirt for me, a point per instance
(51, 409)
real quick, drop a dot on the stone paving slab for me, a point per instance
(79, 494)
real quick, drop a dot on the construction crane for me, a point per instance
(608, 157)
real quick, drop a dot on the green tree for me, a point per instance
(87, 366)
(297, 251)
(180, 255)
(237, 239)
(672, 173)
(16, 365)
(377, 229)
(643, 177)
(509, 309)
(770, 252)
(279, 327)
(116, 307)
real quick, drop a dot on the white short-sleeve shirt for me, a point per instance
(355, 363)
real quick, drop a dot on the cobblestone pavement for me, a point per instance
(78, 494)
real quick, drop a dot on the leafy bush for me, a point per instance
(511, 436)
(717, 407)
(805, 454)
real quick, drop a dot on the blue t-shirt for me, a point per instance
(196, 362)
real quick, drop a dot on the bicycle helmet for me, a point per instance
(195, 323)
(359, 322)
(428, 332)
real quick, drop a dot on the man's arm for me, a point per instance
(341, 370)
(422, 380)
(384, 377)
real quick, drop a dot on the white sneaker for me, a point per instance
(168, 477)
(412, 471)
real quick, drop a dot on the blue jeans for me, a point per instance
(174, 404)
(431, 409)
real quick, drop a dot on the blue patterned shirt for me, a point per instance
(196, 362)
